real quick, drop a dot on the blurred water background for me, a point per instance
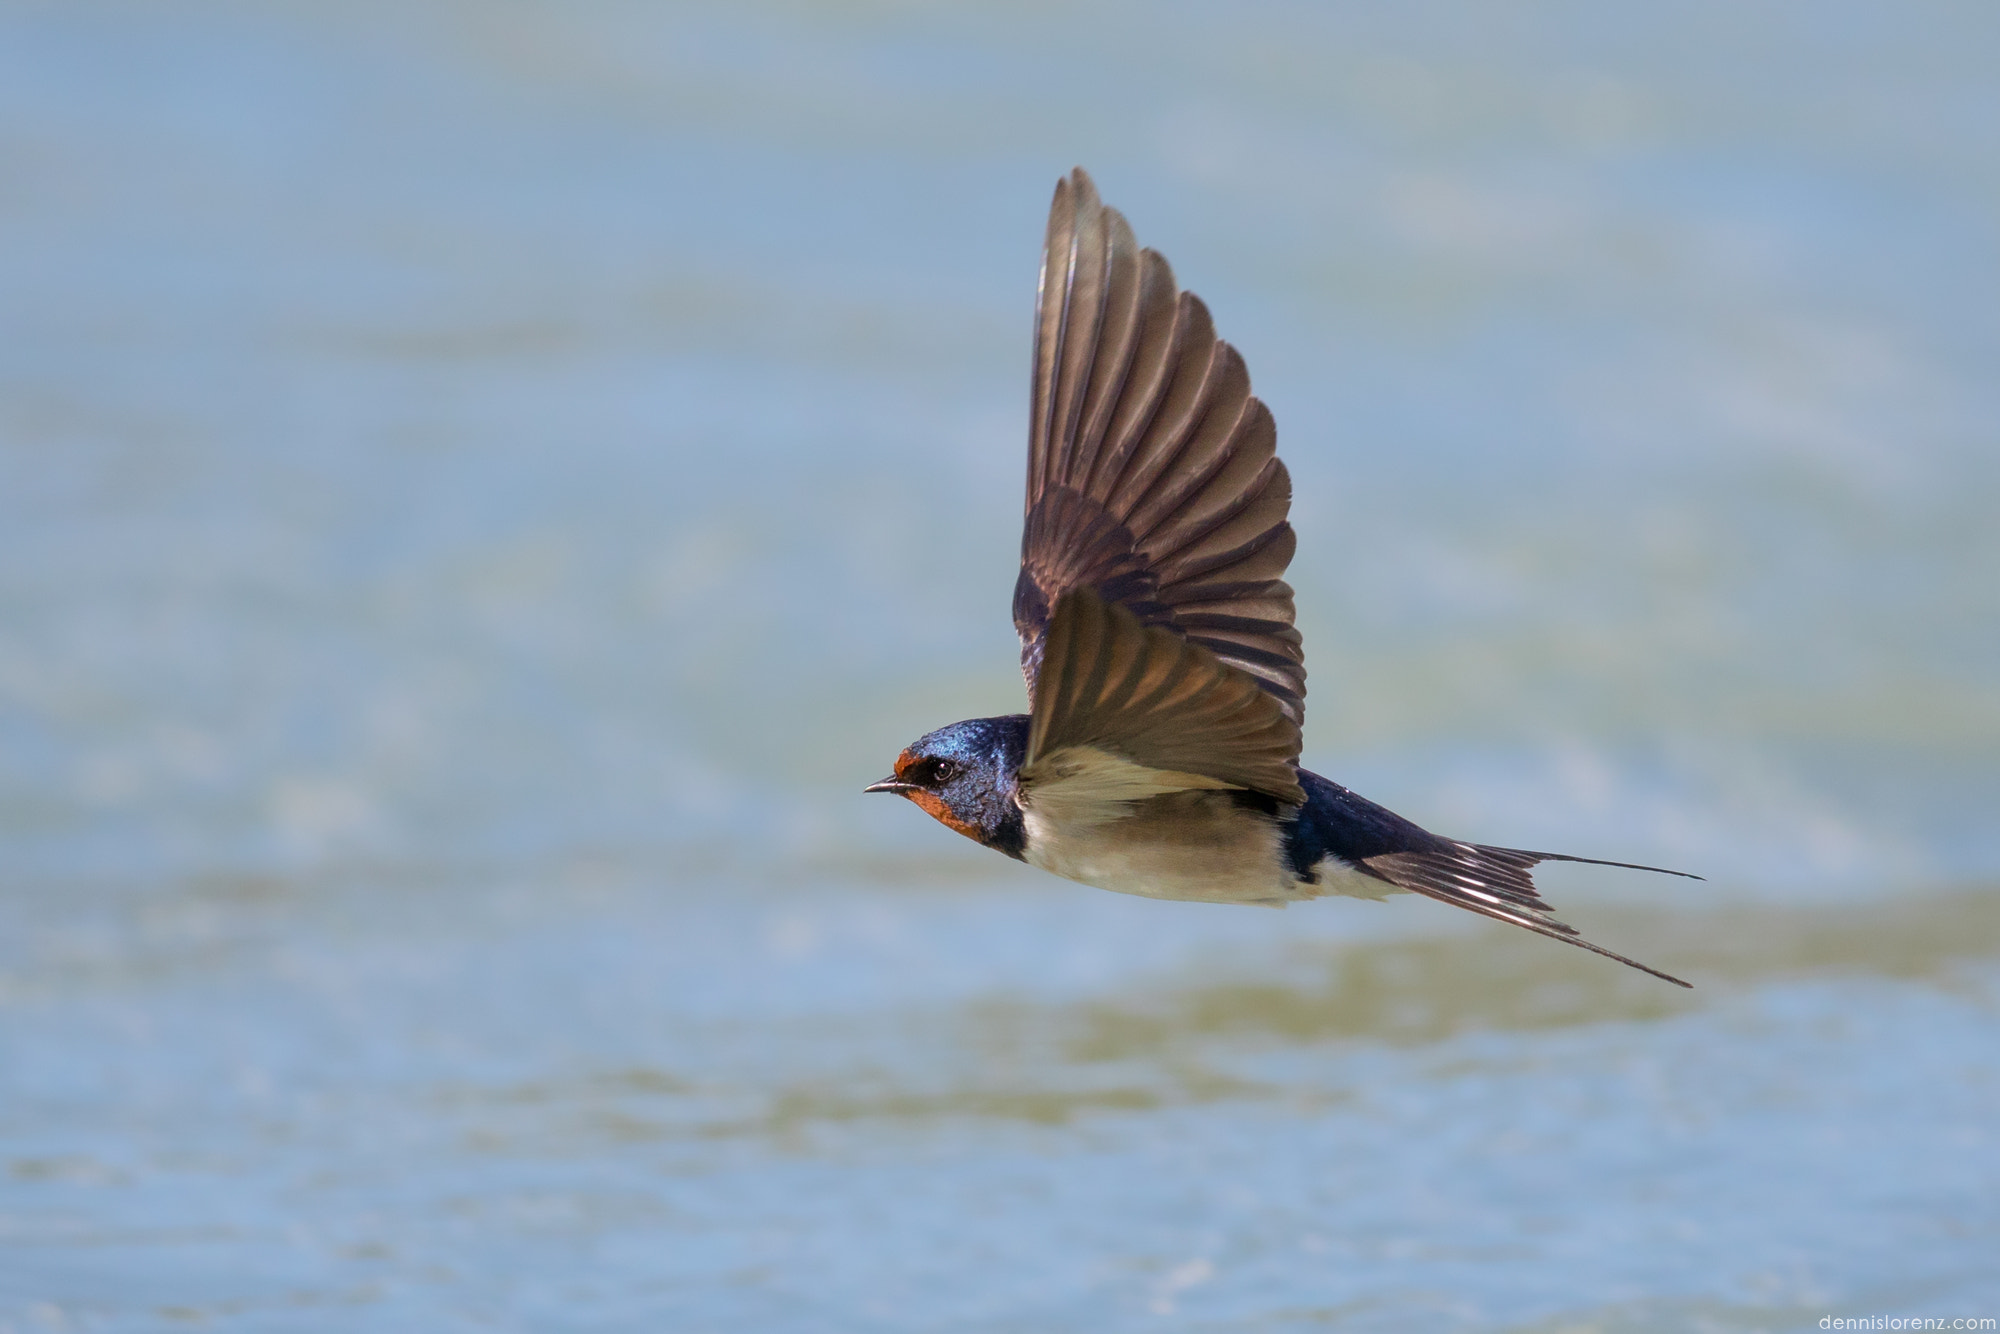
(483, 485)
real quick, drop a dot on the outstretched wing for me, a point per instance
(1124, 710)
(1153, 478)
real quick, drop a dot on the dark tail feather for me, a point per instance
(1496, 883)
(1593, 861)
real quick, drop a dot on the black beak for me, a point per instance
(890, 785)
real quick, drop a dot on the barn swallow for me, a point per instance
(1166, 683)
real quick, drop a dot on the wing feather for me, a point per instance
(1145, 695)
(1153, 477)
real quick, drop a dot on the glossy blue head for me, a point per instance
(963, 776)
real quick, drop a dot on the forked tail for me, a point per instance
(1496, 883)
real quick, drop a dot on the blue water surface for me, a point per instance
(483, 486)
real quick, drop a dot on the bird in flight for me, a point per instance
(1166, 683)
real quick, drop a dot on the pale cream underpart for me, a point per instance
(1120, 826)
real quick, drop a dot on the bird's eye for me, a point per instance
(944, 771)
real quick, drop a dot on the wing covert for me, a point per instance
(1144, 695)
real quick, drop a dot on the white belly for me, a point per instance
(1195, 845)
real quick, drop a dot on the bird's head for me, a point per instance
(964, 777)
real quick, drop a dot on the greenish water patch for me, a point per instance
(1427, 990)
